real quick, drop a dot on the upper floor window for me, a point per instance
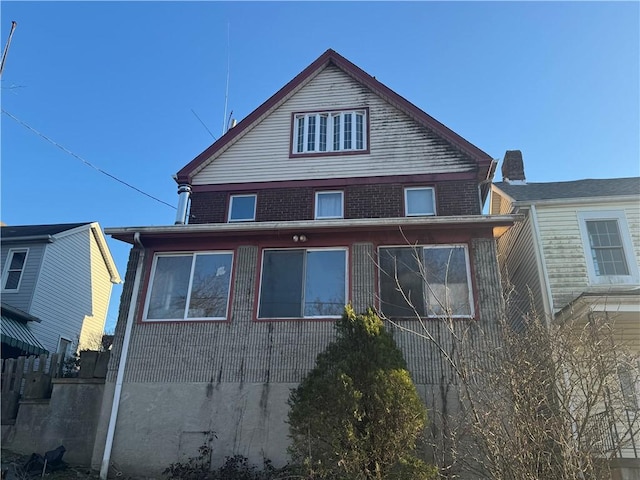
(608, 248)
(321, 132)
(419, 201)
(430, 280)
(189, 286)
(13, 269)
(299, 283)
(242, 208)
(329, 205)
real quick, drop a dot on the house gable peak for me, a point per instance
(330, 56)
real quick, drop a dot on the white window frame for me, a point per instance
(303, 317)
(627, 247)
(422, 248)
(329, 192)
(7, 268)
(69, 352)
(420, 214)
(185, 318)
(248, 219)
(310, 141)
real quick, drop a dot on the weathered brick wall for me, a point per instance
(458, 198)
(361, 201)
(282, 204)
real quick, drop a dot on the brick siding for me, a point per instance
(361, 201)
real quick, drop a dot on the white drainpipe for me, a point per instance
(106, 457)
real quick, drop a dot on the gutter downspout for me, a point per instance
(106, 457)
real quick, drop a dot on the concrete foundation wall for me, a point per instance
(69, 418)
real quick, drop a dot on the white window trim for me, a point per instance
(184, 318)
(406, 201)
(627, 246)
(346, 283)
(464, 246)
(7, 264)
(318, 217)
(234, 196)
(70, 352)
(329, 145)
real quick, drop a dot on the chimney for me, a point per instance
(513, 168)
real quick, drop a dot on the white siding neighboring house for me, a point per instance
(577, 250)
(61, 274)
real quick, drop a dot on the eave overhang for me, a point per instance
(615, 300)
(482, 159)
(498, 224)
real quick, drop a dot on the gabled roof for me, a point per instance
(185, 175)
(49, 233)
(577, 189)
(26, 231)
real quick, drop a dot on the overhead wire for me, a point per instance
(89, 164)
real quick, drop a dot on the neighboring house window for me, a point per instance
(64, 347)
(14, 267)
(608, 248)
(189, 286)
(419, 201)
(431, 281)
(242, 208)
(321, 132)
(299, 283)
(329, 205)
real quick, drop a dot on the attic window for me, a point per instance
(326, 132)
(14, 267)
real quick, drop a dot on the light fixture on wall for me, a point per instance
(300, 238)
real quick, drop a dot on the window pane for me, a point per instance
(323, 133)
(281, 287)
(13, 279)
(17, 260)
(359, 131)
(347, 131)
(336, 132)
(243, 207)
(419, 201)
(311, 134)
(447, 282)
(210, 286)
(399, 278)
(168, 296)
(300, 144)
(329, 205)
(606, 248)
(325, 283)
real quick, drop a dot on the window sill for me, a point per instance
(330, 154)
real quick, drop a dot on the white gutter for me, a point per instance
(106, 457)
(488, 220)
(543, 275)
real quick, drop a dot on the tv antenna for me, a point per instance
(6, 47)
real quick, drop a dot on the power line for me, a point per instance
(89, 164)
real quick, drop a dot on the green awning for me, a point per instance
(17, 334)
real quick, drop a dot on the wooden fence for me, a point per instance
(26, 378)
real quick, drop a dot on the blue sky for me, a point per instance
(117, 84)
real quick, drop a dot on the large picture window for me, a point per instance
(321, 132)
(14, 267)
(298, 283)
(430, 281)
(189, 286)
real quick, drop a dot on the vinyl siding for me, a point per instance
(563, 249)
(398, 145)
(519, 271)
(62, 297)
(93, 326)
(23, 297)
